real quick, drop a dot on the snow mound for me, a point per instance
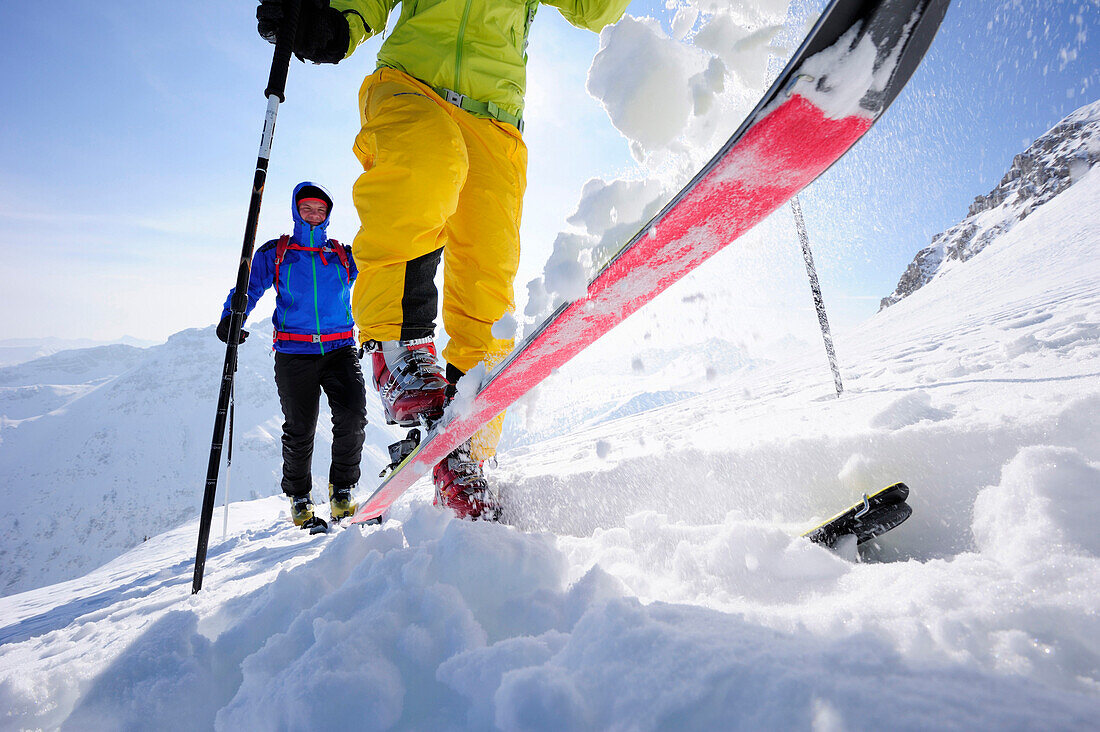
(443, 624)
(1048, 501)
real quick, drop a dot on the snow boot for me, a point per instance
(339, 501)
(409, 380)
(460, 485)
(301, 513)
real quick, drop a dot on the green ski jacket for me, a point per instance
(474, 47)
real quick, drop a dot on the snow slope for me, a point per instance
(653, 578)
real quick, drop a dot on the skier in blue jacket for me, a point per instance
(314, 350)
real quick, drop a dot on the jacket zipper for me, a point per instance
(458, 46)
(316, 308)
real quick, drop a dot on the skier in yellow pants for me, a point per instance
(444, 175)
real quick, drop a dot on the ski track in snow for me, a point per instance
(652, 578)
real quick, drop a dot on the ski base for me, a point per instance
(873, 516)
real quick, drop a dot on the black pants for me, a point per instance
(300, 378)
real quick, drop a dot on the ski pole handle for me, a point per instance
(284, 45)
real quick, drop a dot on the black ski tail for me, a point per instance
(873, 516)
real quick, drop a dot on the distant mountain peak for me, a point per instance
(1049, 166)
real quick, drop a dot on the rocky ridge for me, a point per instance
(1053, 163)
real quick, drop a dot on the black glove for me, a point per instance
(323, 34)
(223, 331)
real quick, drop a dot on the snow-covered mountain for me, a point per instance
(1054, 162)
(652, 577)
(103, 447)
(49, 383)
(20, 350)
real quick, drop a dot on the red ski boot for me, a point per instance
(409, 380)
(460, 485)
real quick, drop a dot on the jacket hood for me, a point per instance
(308, 189)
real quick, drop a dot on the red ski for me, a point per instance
(849, 69)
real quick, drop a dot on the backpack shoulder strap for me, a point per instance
(280, 248)
(280, 252)
(343, 255)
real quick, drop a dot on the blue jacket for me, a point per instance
(313, 297)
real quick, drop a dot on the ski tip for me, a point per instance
(899, 488)
(927, 19)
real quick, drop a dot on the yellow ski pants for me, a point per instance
(436, 177)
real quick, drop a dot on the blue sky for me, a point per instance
(129, 132)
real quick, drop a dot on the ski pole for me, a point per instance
(807, 255)
(228, 464)
(276, 85)
(815, 287)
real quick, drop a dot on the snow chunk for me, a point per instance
(565, 274)
(610, 213)
(467, 388)
(606, 205)
(1048, 499)
(684, 21)
(538, 299)
(740, 49)
(860, 473)
(640, 75)
(706, 84)
(505, 328)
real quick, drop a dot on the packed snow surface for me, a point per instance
(652, 576)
